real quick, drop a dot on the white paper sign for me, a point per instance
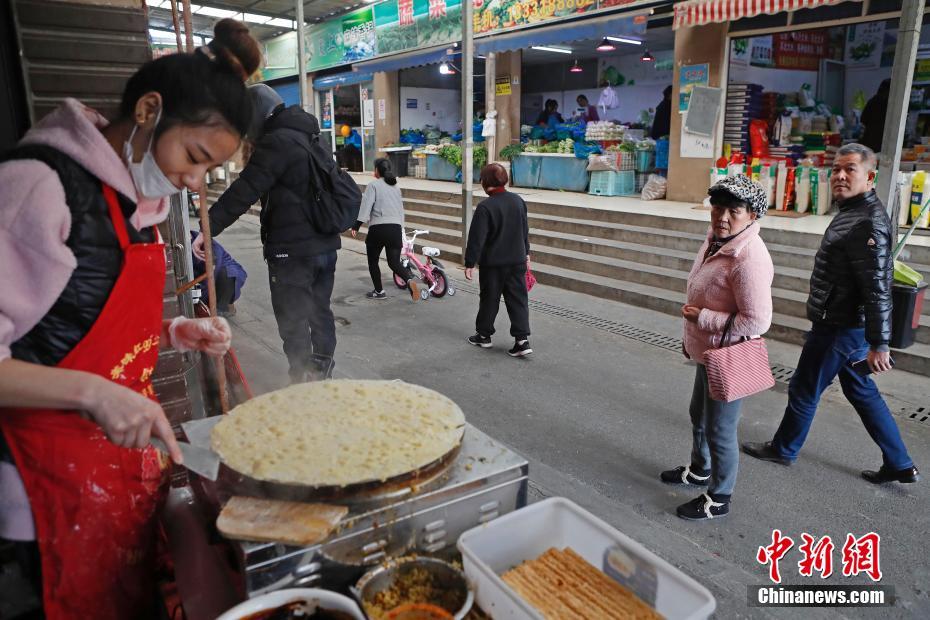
(368, 113)
(694, 146)
(382, 111)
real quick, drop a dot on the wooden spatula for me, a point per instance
(266, 520)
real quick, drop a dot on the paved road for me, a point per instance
(599, 415)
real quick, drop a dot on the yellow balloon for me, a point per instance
(345, 131)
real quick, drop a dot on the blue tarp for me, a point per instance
(407, 60)
(342, 79)
(614, 26)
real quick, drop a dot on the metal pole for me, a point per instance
(301, 55)
(490, 100)
(905, 55)
(468, 140)
(177, 24)
(188, 28)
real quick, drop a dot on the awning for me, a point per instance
(701, 12)
(341, 79)
(607, 26)
(407, 60)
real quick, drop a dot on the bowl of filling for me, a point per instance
(294, 603)
(413, 587)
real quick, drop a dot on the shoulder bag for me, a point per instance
(735, 371)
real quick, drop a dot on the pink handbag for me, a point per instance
(530, 279)
(737, 370)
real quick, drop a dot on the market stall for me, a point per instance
(794, 98)
(296, 509)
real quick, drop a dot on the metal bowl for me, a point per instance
(315, 597)
(445, 577)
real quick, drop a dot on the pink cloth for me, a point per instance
(738, 278)
(35, 220)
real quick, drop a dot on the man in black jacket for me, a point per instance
(850, 308)
(499, 241)
(301, 261)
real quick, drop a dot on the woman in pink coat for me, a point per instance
(732, 275)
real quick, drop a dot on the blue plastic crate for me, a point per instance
(610, 183)
(662, 154)
(564, 173)
(644, 160)
(524, 170)
(438, 169)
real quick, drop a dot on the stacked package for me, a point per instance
(793, 153)
(744, 103)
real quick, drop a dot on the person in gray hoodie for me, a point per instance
(383, 209)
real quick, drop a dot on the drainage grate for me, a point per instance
(781, 373)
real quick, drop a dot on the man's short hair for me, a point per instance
(494, 175)
(866, 155)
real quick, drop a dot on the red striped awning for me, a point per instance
(701, 12)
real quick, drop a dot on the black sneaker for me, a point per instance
(703, 508)
(766, 451)
(885, 474)
(376, 295)
(684, 476)
(520, 348)
(480, 341)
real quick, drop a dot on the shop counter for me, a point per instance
(561, 171)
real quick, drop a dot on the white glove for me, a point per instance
(212, 335)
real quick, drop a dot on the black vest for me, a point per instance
(94, 243)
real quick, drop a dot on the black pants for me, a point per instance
(301, 288)
(511, 282)
(225, 289)
(389, 237)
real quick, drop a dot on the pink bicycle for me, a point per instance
(431, 271)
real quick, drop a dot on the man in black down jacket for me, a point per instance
(499, 241)
(850, 307)
(301, 261)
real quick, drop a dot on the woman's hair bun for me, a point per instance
(236, 48)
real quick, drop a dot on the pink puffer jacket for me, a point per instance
(738, 278)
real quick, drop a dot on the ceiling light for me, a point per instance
(647, 57)
(605, 46)
(576, 68)
(545, 48)
(282, 23)
(446, 69)
(214, 12)
(625, 40)
(155, 4)
(255, 19)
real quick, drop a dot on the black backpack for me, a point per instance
(334, 196)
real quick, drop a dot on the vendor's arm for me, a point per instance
(266, 165)
(128, 418)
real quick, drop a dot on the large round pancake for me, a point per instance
(339, 432)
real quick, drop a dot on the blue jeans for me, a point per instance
(828, 352)
(713, 425)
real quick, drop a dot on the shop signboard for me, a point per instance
(922, 70)
(395, 27)
(864, 43)
(358, 35)
(690, 76)
(739, 52)
(800, 51)
(280, 57)
(409, 24)
(505, 14)
(346, 39)
(502, 86)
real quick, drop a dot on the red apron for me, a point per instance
(94, 503)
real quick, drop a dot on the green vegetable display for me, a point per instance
(510, 151)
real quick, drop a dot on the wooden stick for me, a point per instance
(177, 24)
(191, 284)
(188, 28)
(211, 288)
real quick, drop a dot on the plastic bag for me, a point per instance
(582, 150)
(598, 163)
(608, 99)
(759, 138)
(655, 187)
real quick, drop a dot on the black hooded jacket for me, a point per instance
(851, 281)
(278, 173)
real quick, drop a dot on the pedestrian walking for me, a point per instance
(730, 286)
(383, 210)
(850, 311)
(499, 243)
(285, 172)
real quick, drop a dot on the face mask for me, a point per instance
(150, 181)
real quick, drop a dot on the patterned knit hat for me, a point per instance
(743, 188)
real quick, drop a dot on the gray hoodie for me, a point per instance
(381, 204)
